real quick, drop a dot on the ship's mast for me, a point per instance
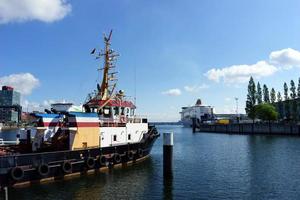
(105, 91)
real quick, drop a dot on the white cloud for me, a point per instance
(281, 59)
(286, 58)
(227, 99)
(24, 83)
(195, 88)
(27, 10)
(172, 92)
(241, 73)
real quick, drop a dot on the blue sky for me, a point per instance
(181, 50)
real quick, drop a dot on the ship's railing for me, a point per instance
(137, 119)
(121, 120)
(3, 142)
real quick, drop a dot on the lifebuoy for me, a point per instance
(140, 153)
(43, 169)
(117, 158)
(130, 155)
(67, 167)
(90, 162)
(102, 160)
(17, 173)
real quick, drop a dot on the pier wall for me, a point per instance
(272, 128)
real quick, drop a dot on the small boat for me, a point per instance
(102, 133)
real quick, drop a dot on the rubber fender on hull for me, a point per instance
(43, 169)
(90, 162)
(130, 155)
(140, 153)
(102, 160)
(17, 173)
(117, 158)
(67, 167)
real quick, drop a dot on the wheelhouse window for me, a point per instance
(131, 112)
(115, 138)
(116, 110)
(107, 112)
(129, 136)
(122, 111)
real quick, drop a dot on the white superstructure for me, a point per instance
(201, 113)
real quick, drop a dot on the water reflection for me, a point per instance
(205, 166)
(168, 188)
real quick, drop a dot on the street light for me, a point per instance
(237, 109)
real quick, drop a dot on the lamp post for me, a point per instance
(237, 109)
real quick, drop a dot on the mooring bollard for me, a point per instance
(168, 155)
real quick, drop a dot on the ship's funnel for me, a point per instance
(198, 102)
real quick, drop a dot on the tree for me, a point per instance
(286, 91)
(266, 112)
(280, 105)
(293, 94)
(293, 102)
(279, 98)
(273, 96)
(286, 102)
(298, 99)
(251, 99)
(266, 94)
(259, 94)
(298, 88)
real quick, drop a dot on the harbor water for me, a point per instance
(205, 166)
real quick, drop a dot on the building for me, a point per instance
(10, 109)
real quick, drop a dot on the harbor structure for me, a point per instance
(10, 108)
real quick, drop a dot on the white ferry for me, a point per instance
(201, 113)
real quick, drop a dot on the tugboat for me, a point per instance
(63, 142)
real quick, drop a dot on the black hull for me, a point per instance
(82, 161)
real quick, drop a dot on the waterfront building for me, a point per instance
(10, 109)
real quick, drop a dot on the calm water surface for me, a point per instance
(206, 166)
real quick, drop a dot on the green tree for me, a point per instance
(293, 101)
(298, 89)
(251, 99)
(266, 112)
(280, 105)
(293, 94)
(298, 100)
(286, 102)
(266, 94)
(286, 91)
(279, 98)
(273, 96)
(259, 94)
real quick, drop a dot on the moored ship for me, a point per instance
(201, 113)
(106, 132)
